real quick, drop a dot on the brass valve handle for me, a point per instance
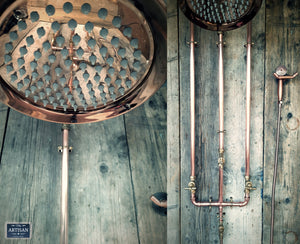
(191, 187)
(249, 187)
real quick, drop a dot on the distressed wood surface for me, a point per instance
(173, 128)
(276, 36)
(244, 223)
(114, 168)
(4, 111)
(246, 220)
(30, 178)
(148, 160)
(200, 225)
(283, 48)
(101, 195)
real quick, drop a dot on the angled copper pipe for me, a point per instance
(221, 161)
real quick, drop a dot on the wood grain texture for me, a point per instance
(244, 223)
(107, 201)
(30, 178)
(101, 197)
(283, 48)
(4, 111)
(276, 31)
(173, 128)
(146, 129)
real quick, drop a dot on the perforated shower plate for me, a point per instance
(81, 61)
(220, 15)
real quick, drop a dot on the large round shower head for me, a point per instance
(81, 61)
(220, 15)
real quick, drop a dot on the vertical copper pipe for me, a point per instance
(221, 225)
(64, 186)
(221, 92)
(71, 50)
(221, 114)
(221, 134)
(280, 90)
(192, 99)
(248, 101)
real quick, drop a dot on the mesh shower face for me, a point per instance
(220, 15)
(80, 61)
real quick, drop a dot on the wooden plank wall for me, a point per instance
(276, 37)
(114, 168)
(283, 48)
(173, 128)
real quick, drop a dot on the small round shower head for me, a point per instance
(81, 61)
(220, 15)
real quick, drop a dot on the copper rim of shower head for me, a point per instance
(220, 15)
(71, 62)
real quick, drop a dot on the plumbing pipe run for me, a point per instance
(221, 160)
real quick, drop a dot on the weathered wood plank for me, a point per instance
(244, 223)
(29, 178)
(173, 128)
(192, 218)
(201, 219)
(102, 207)
(146, 130)
(283, 48)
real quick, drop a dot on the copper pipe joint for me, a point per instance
(217, 204)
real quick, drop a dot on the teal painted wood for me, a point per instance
(283, 48)
(146, 129)
(173, 127)
(30, 178)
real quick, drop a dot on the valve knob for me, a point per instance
(191, 187)
(249, 186)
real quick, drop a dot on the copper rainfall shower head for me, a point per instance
(81, 61)
(220, 15)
